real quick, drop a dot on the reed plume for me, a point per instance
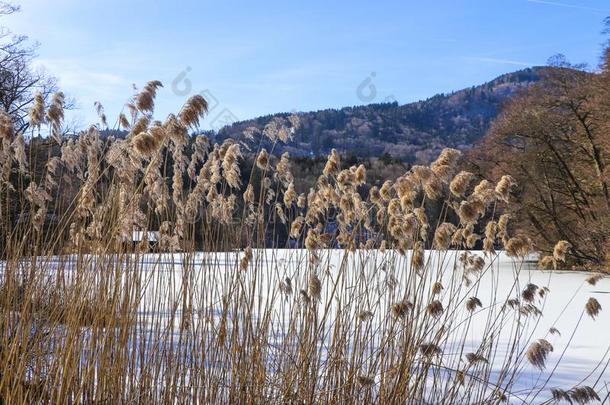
(443, 235)
(593, 307)
(193, 110)
(460, 183)
(474, 358)
(583, 395)
(547, 263)
(124, 122)
(315, 286)
(7, 129)
(430, 350)
(538, 352)
(518, 246)
(417, 262)
(37, 111)
(55, 115)
(145, 99)
(230, 166)
(592, 280)
(435, 309)
(263, 159)
(529, 292)
(504, 187)
(332, 164)
(282, 170)
(437, 288)
(472, 303)
(401, 309)
(561, 249)
(286, 286)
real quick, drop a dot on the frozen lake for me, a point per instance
(581, 348)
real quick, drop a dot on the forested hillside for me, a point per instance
(413, 133)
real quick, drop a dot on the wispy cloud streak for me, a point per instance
(500, 61)
(554, 3)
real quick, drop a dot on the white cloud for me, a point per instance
(87, 84)
(75, 74)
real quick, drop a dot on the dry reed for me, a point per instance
(205, 307)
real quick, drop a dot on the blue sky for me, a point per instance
(253, 58)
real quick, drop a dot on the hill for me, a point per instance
(413, 133)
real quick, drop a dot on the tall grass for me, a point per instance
(372, 301)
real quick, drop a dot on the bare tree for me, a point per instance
(553, 139)
(19, 81)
